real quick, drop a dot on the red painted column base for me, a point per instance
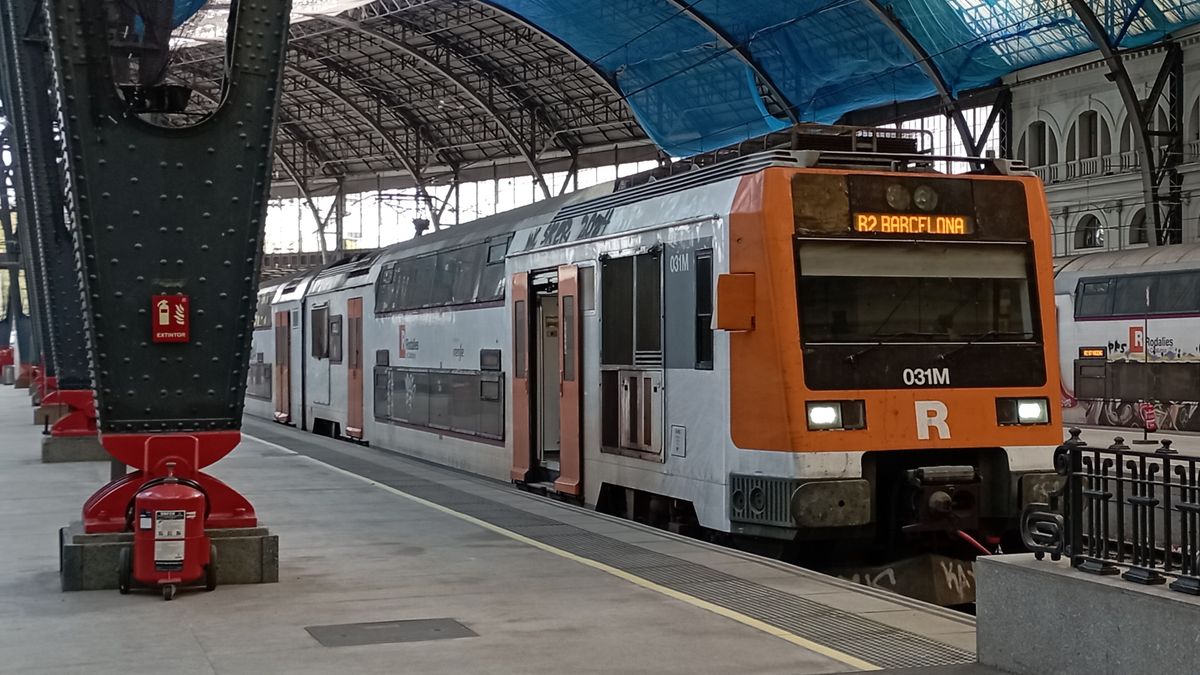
(150, 454)
(108, 509)
(81, 418)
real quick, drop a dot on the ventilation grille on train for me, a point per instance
(762, 500)
(647, 359)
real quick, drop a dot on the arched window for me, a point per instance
(1088, 233)
(1036, 147)
(1089, 134)
(1194, 121)
(1137, 228)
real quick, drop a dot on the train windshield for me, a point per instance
(924, 292)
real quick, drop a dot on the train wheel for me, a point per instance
(124, 571)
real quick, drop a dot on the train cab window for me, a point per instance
(335, 338)
(262, 312)
(704, 310)
(932, 292)
(1091, 298)
(320, 333)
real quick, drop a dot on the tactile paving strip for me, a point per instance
(849, 633)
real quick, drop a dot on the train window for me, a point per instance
(262, 312)
(465, 282)
(1177, 292)
(520, 330)
(320, 335)
(648, 308)
(568, 338)
(382, 357)
(704, 310)
(616, 311)
(496, 251)
(417, 282)
(1091, 298)
(335, 338)
(1131, 295)
(854, 293)
(381, 390)
(587, 289)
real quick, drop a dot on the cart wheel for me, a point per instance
(210, 570)
(124, 571)
(169, 592)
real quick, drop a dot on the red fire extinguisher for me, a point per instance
(170, 548)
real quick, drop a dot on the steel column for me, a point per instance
(31, 112)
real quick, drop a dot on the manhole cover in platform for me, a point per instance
(387, 632)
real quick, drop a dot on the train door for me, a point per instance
(522, 388)
(283, 371)
(546, 392)
(570, 431)
(354, 378)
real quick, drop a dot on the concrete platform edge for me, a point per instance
(1122, 627)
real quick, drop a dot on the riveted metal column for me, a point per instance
(170, 224)
(33, 349)
(31, 112)
(1133, 108)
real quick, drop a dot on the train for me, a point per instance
(843, 357)
(1129, 324)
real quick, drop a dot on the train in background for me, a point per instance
(1130, 328)
(848, 355)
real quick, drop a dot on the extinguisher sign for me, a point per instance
(168, 536)
(169, 318)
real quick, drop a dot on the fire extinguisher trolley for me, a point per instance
(170, 547)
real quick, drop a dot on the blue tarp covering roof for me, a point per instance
(693, 92)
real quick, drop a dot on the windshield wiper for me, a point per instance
(973, 339)
(853, 358)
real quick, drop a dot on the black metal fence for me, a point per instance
(1121, 510)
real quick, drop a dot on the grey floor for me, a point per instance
(355, 553)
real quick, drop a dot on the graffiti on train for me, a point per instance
(1170, 416)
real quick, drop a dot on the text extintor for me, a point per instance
(169, 318)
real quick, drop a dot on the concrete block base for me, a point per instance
(73, 449)
(89, 562)
(49, 414)
(1045, 617)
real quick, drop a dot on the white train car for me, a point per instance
(779, 347)
(1129, 324)
(260, 383)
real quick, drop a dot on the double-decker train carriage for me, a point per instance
(800, 347)
(1130, 323)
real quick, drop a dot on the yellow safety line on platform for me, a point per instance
(619, 573)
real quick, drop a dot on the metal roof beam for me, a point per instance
(469, 91)
(889, 19)
(742, 54)
(366, 119)
(1133, 107)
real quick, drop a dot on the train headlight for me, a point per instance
(824, 416)
(925, 198)
(1022, 411)
(827, 415)
(898, 197)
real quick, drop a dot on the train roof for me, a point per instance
(1148, 259)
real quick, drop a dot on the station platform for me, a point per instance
(520, 583)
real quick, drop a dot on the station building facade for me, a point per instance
(1069, 124)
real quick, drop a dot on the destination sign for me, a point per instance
(912, 223)
(1093, 352)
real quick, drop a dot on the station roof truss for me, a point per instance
(426, 92)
